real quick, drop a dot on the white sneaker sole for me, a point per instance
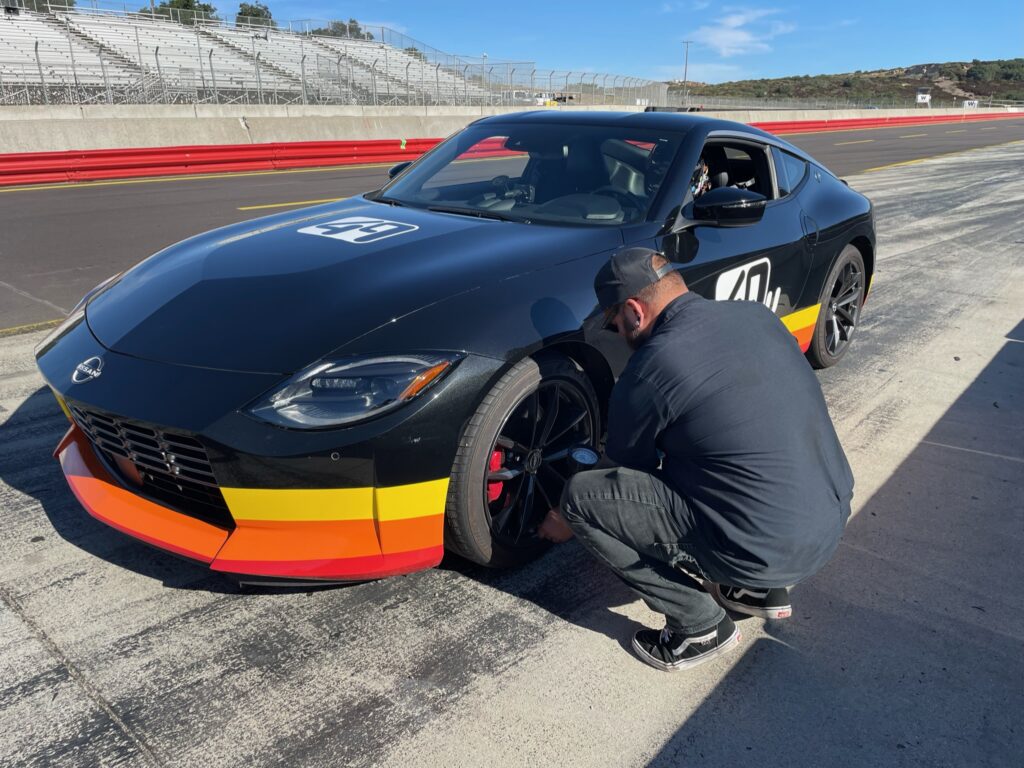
(774, 614)
(728, 645)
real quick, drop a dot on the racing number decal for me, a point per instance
(359, 229)
(748, 282)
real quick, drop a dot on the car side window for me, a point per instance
(725, 164)
(789, 170)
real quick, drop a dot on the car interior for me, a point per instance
(583, 178)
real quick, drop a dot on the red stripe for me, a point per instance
(97, 164)
(345, 569)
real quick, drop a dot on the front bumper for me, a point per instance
(321, 534)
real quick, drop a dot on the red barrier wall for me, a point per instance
(90, 165)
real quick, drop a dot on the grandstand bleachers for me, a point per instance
(82, 55)
(18, 37)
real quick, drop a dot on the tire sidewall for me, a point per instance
(818, 352)
(466, 497)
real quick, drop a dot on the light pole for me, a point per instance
(686, 71)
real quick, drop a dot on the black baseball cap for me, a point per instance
(628, 272)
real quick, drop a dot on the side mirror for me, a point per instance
(726, 207)
(394, 170)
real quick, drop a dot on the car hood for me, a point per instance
(276, 294)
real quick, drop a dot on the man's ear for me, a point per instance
(636, 312)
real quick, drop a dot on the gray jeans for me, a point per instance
(640, 528)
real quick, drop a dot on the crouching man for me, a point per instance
(731, 486)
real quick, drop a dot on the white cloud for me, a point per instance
(742, 31)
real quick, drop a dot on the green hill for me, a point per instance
(1000, 79)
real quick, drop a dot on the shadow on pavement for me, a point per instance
(907, 648)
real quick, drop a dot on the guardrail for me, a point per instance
(91, 165)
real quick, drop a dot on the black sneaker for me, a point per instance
(766, 603)
(669, 651)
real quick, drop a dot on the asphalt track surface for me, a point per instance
(58, 241)
(904, 651)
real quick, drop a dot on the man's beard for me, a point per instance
(636, 337)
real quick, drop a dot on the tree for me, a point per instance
(184, 11)
(254, 14)
(341, 29)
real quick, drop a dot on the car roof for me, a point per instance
(672, 121)
(679, 122)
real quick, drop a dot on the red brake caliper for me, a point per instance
(494, 489)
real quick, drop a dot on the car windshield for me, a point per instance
(556, 174)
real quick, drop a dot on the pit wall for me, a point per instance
(149, 141)
(63, 128)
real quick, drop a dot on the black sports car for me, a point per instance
(341, 392)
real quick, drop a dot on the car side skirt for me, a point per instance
(348, 534)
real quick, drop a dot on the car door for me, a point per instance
(767, 261)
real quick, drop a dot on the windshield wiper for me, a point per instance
(468, 212)
(388, 201)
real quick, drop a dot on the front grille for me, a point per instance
(173, 467)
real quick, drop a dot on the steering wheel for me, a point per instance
(508, 188)
(624, 197)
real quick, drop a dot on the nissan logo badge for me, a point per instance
(87, 370)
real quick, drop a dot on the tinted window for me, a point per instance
(573, 174)
(789, 170)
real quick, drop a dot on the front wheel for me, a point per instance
(513, 460)
(841, 298)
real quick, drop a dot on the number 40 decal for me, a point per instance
(748, 282)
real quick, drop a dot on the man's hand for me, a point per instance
(554, 528)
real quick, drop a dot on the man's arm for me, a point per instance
(636, 416)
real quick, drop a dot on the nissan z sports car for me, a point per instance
(344, 392)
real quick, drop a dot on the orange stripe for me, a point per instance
(411, 533)
(304, 540)
(131, 514)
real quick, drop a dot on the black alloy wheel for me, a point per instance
(513, 460)
(841, 301)
(529, 461)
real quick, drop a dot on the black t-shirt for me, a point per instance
(721, 396)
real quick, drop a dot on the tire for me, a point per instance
(842, 297)
(482, 522)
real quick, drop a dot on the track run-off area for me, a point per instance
(60, 240)
(903, 651)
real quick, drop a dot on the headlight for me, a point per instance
(75, 316)
(336, 393)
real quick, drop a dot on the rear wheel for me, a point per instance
(513, 460)
(841, 299)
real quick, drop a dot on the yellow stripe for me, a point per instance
(941, 154)
(30, 327)
(400, 502)
(289, 205)
(844, 143)
(63, 405)
(802, 318)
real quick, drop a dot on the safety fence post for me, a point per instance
(373, 80)
(213, 79)
(302, 71)
(160, 74)
(42, 80)
(74, 67)
(259, 79)
(106, 81)
(437, 83)
(199, 56)
(408, 85)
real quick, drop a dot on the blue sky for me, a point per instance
(643, 38)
